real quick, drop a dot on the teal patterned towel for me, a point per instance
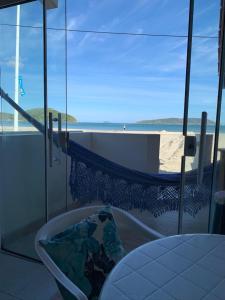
(86, 252)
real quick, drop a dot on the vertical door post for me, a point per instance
(45, 105)
(186, 105)
(219, 103)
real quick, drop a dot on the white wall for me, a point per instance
(22, 180)
(23, 171)
(208, 151)
(135, 151)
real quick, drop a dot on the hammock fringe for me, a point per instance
(94, 178)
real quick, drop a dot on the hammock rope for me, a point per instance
(94, 178)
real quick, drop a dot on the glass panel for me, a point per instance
(206, 17)
(203, 98)
(28, 15)
(217, 213)
(218, 200)
(119, 89)
(57, 174)
(23, 146)
(56, 17)
(154, 17)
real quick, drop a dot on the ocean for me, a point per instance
(137, 127)
(128, 126)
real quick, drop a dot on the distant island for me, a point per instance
(6, 116)
(174, 121)
(38, 114)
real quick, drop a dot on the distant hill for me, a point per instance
(6, 116)
(175, 121)
(38, 114)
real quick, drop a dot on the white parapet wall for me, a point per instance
(22, 187)
(134, 151)
(23, 171)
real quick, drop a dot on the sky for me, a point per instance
(115, 77)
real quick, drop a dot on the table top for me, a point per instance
(184, 267)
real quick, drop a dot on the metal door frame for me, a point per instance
(186, 110)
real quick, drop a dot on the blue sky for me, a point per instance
(117, 78)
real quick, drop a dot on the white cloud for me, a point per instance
(76, 22)
(10, 62)
(177, 44)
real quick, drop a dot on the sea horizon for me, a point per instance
(110, 126)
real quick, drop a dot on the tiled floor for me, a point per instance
(23, 244)
(24, 280)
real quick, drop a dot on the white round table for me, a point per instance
(184, 267)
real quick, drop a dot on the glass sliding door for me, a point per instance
(200, 117)
(117, 88)
(23, 181)
(126, 79)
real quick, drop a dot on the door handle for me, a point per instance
(50, 137)
(62, 134)
(201, 155)
(60, 139)
(59, 122)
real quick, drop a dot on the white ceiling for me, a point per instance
(11, 2)
(49, 3)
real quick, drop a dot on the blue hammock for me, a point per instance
(94, 178)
